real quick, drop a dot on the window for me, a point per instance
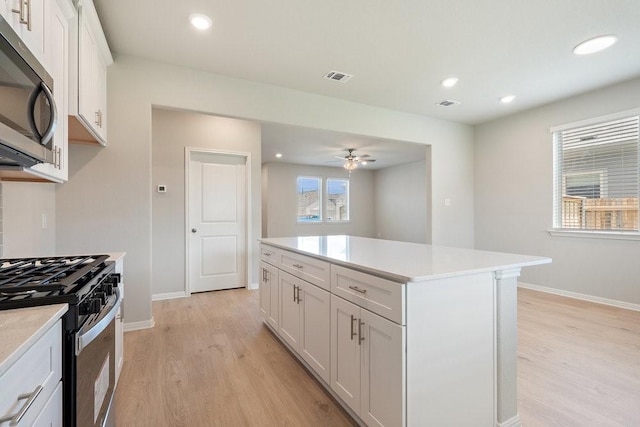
(309, 199)
(596, 175)
(337, 199)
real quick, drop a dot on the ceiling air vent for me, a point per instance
(338, 76)
(448, 103)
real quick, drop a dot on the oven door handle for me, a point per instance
(85, 338)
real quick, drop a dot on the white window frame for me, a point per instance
(320, 200)
(326, 207)
(557, 209)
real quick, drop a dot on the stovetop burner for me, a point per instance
(51, 279)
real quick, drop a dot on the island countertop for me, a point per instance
(402, 261)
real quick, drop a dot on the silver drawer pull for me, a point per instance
(360, 333)
(357, 289)
(17, 417)
(353, 333)
(297, 265)
(266, 253)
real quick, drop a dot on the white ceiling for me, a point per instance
(398, 51)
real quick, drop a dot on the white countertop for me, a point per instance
(22, 327)
(403, 261)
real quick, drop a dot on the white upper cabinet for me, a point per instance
(27, 17)
(60, 13)
(89, 84)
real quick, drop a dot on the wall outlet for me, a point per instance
(162, 188)
(44, 220)
(447, 202)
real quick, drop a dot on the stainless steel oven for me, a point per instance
(89, 285)
(95, 367)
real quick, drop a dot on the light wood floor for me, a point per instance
(210, 362)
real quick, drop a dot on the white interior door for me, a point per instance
(217, 221)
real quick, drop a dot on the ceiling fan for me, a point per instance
(351, 161)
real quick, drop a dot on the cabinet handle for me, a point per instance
(21, 13)
(294, 293)
(360, 334)
(353, 332)
(264, 275)
(297, 265)
(97, 120)
(17, 417)
(100, 111)
(266, 253)
(298, 297)
(357, 289)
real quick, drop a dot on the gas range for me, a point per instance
(89, 285)
(84, 282)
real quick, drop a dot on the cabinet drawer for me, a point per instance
(269, 254)
(381, 296)
(40, 366)
(310, 269)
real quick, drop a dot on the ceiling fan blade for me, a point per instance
(364, 156)
(338, 157)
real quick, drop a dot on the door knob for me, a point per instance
(194, 230)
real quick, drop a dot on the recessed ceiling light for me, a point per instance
(594, 45)
(449, 82)
(200, 21)
(507, 99)
(279, 155)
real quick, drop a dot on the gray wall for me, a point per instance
(280, 200)
(401, 203)
(106, 205)
(172, 131)
(513, 199)
(22, 231)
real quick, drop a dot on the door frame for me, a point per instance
(247, 216)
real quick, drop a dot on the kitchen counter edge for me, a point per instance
(404, 277)
(20, 328)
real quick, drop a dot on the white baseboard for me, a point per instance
(253, 286)
(583, 297)
(136, 326)
(511, 422)
(169, 295)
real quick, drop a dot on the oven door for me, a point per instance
(95, 368)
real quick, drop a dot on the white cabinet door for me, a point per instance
(345, 352)
(382, 371)
(92, 75)
(269, 294)
(368, 363)
(58, 49)
(289, 326)
(29, 24)
(315, 320)
(51, 414)
(87, 89)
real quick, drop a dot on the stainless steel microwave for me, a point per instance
(27, 109)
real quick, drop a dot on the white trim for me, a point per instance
(596, 120)
(169, 295)
(612, 235)
(512, 422)
(136, 326)
(583, 297)
(248, 208)
(253, 286)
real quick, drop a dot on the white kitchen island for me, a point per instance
(403, 334)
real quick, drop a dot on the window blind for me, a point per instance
(596, 176)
